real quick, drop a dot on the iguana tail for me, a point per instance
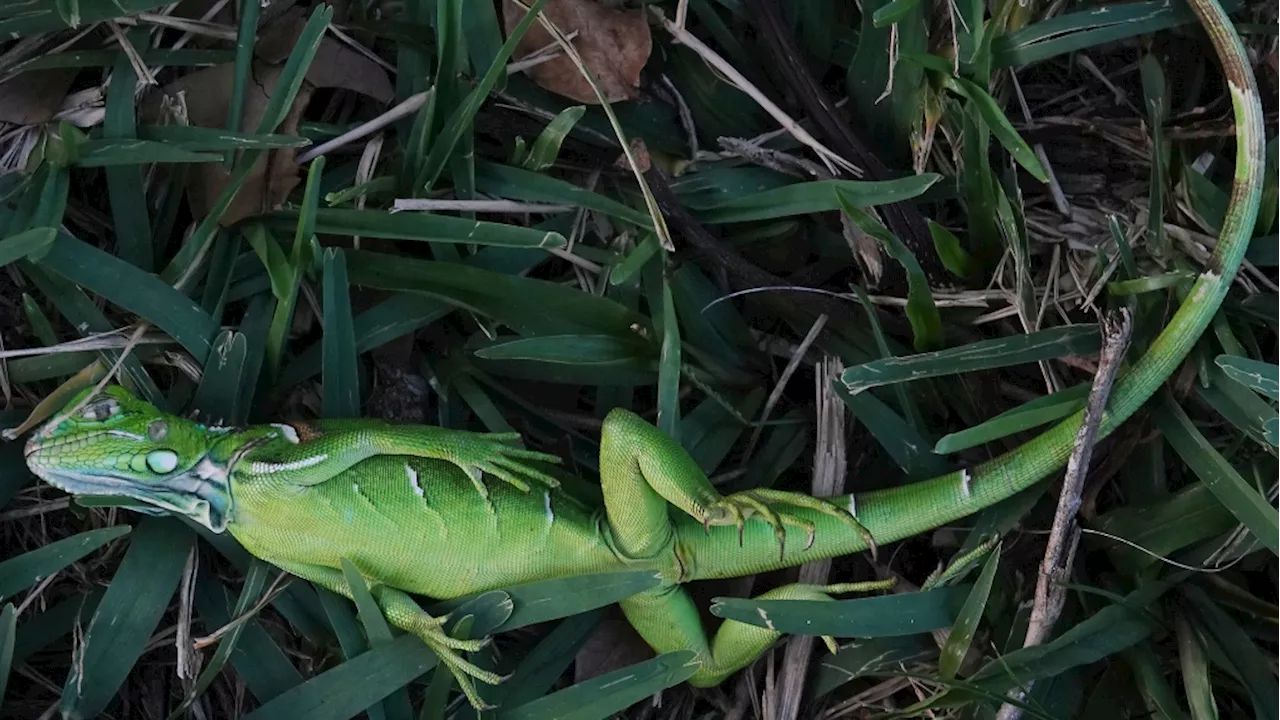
(902, 512)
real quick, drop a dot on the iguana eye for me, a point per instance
(100, 410)
(158, 430)
(162, 462)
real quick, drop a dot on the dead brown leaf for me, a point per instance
(207, 95)
(614, 45)
(34, 97)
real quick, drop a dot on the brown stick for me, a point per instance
(1065, 535)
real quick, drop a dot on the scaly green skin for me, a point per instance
(410, 508)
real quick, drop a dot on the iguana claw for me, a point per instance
(448, 648)
(737, 508)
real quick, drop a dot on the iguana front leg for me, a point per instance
(400, 610)
(303, 454)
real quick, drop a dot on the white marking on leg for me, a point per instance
(853, 505)
(546, 501)
(355, 487)
(413, 480)
(287, 431)
(266, 468)
(965, 480)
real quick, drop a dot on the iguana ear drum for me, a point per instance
(158, 430)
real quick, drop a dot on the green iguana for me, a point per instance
(410, 507)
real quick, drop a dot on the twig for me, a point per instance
(829, 473)
(279, 585)
(829, 157)
(409, 106)
(1065, 535)
(484, 206)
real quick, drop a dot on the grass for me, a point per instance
(1028, 168)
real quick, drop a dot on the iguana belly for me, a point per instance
(422, 526)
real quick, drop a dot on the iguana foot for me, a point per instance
(495, 454)
(448, 649)
(737, 508)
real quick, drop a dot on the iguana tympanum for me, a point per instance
(412, 509)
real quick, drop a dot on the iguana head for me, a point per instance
(118, 445)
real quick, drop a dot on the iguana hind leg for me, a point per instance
(643, 472)
(668, 621)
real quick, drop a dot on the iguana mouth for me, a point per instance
(38, 442)
(201, 492)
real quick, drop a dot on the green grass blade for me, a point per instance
(546, 148)
(113, 153)
(546, 662)
(127, 616)
(1260, 377)
(669, 362)
(809, 198)
(961, 636)
(572, 349)
(8, 631)
(520, 184)
(1237, 647)
(1162, 528)
(983, 355)
(999, 125)
(882, 616)
(259, 662)
(33, 244)
(341, 371)
(1194, 663)
(137, 291)
(246, 35)
(1250, 414)
(42, 16)
(1110, 630)
(460, 121)
(421, 227)
(396, 705)
(526, 305)
(1032, 414)
(287, 85)
(85, 316)
(218, 395)
(23, 571)
(249, 592)
(606, 694)
(951, 252)
(548, 600)
(194, 138)
(345, 627)
(38, 631)
(346, 690)
(870, 656)
(926, 323)
(125, 188)
(1089, 28)
(908, 447)
(1233, 491)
